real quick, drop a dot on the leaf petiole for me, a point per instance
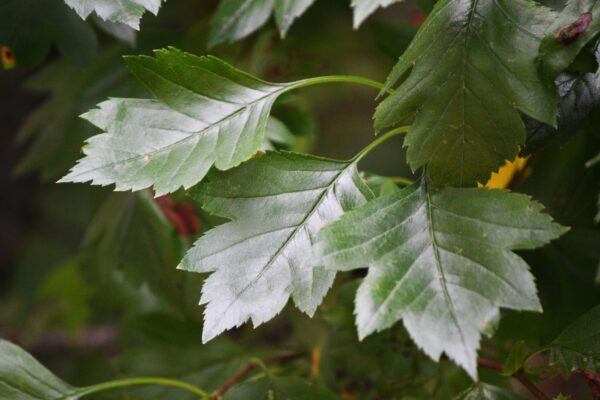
(375, 143)
(141, 381)
(336, 79)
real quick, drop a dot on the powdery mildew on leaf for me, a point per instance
(205, 113)
(441, 261)
(277, 204)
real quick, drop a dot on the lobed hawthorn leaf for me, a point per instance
(461, 82)
(578, 346)
(236, 19)
(127, 12)
(364, 8)
(579, 98)
(205, 113)
(441, 261)
(484, 391)
(277, 204)
(557, 54)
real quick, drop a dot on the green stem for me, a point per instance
(142, 381)
(336, 79)
(375, 143)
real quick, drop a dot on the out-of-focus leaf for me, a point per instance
(206, 113)
(130, 233)
(68, 295)
(364, 8)
(277, 204)
(167, 346)
(392, 38)
(122, 32)
(278, 134)
(469, 70)
(483, 391)
(128, 12)
(432, 255)
(279, 388)
(30, 27)
(236, 19)
(578, 346)
(515, 358)
(54, 130)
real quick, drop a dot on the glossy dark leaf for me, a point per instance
(277, 204)
(462, 82)
(441, 261)
(205, 113)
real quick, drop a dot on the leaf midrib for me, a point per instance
(441, 274)
(242, 109)
(291, 235)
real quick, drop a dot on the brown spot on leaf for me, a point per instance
(569, 33)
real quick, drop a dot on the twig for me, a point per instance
(251, 366)
(519, 376)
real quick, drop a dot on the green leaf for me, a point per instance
(441, 261)
(127, 12)
(515, 359)
(483, 391)
(557, 55)
(69, 295)
(280, 389)
(206, 113)
(129, 232)
(277, 204)
(579, 98)
(236, 19)
(578, 346)
(23, 378)
(461, 82)
(364, 8)
(31, 27)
